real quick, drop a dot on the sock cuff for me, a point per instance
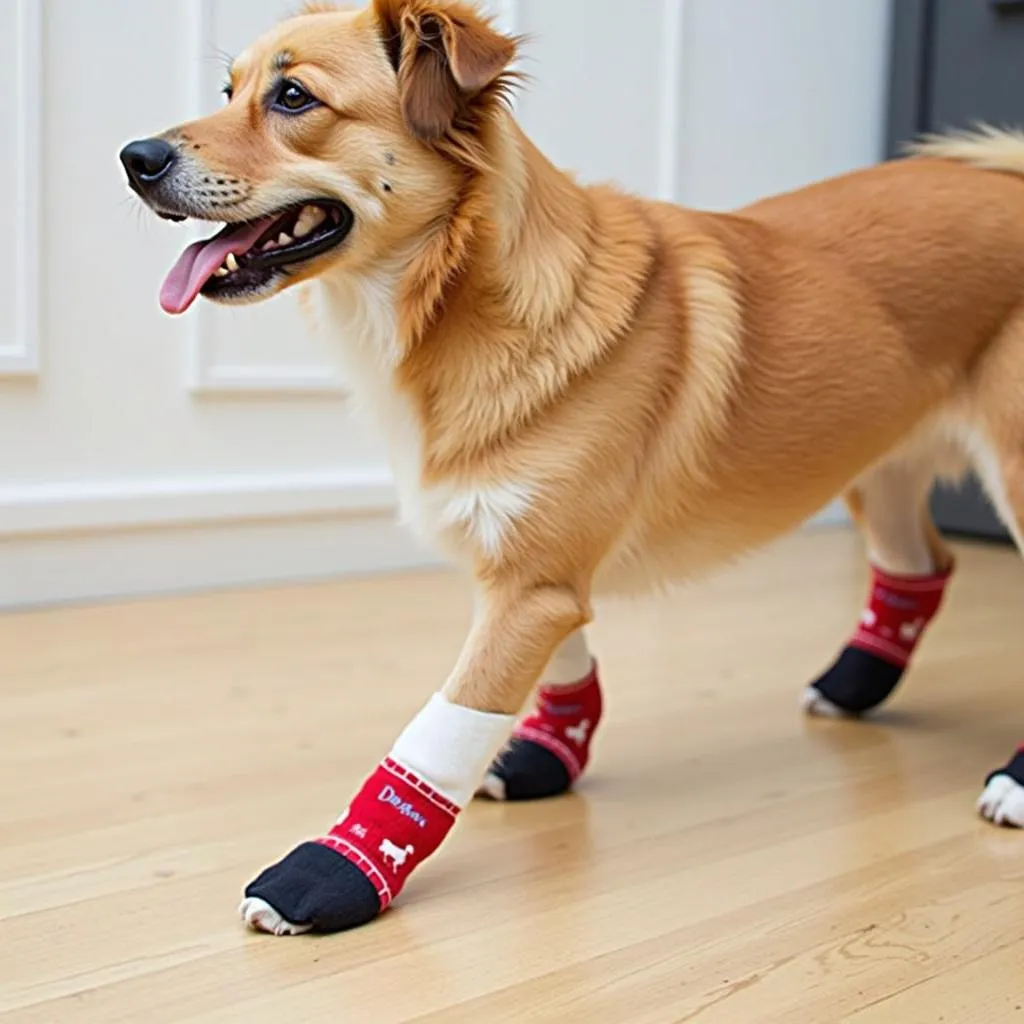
(929, 584)
(572, 661)
(450, 746)
(555, 691)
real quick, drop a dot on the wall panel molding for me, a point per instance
(670, 134)
(106, 506)
(20, 355)
(205, 374)
(101, 506)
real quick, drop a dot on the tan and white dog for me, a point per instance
(581, 388)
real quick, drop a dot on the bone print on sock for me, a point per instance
(550, 749)
(871, 666)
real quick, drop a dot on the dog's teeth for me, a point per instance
(268, 245)
(221, 272)
(284, 238)
(231, 263)
(310, 218)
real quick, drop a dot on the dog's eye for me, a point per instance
(292, 98)
(227, 91)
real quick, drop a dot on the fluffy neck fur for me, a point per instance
(514, 224)
(514, 298)
(482, 326)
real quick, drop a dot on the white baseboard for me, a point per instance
(96, 541)
(75, 568)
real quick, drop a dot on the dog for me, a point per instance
(584, 390)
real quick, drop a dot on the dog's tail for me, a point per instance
(991, 149)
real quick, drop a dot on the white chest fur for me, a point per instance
(460, 515)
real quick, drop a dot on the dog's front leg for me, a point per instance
(405, 809)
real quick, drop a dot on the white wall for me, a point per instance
(142, 453)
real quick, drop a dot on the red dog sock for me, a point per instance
(897, 614)
(564, 721)
(551, 747)
(898, 611)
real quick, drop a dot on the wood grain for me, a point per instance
(725, 861)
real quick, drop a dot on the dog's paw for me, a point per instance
(312, 889)
(493, 788)
(1002, 801)
(525, 771)
(858, 682)
(814, 703)
(260, 916)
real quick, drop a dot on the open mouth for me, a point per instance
(244, 260)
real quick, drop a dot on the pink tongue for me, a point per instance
(197, 264)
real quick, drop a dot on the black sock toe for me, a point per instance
(315, 886)
(530, 772)
(1014, 768)
(859, 681)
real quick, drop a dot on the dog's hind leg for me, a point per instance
(910, 569)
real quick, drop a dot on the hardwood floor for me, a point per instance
(725, 861)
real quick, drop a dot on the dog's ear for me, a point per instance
(446, 56)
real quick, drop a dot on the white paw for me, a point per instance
(1003, 802)
(492, 786)
(260, 916)
(812, 702)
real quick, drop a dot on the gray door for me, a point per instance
(957, 63)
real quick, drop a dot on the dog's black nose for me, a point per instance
(148, 160)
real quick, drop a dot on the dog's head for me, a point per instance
(346, 135)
